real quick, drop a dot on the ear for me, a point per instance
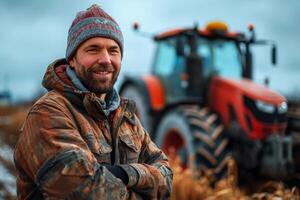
(72, 62)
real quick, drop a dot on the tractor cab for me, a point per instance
(187, 59)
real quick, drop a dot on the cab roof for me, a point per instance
(212, 29)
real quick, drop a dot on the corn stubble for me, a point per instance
(189, 186)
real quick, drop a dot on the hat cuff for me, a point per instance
(85, 35)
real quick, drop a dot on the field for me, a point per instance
(11, 119)
(185, 185)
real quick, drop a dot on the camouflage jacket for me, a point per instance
(66, 141)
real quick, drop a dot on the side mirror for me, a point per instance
(179, 47)
(274, 55)
(136, 26)
(136, 29)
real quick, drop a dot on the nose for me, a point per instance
(104, 58)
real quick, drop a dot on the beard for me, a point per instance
(98, 79)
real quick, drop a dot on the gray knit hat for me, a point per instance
(90, 23)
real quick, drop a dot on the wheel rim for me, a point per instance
(174, 144)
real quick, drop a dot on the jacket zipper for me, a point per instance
(115, 159)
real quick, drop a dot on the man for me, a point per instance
(81, 140)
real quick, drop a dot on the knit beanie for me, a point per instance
(89, 23)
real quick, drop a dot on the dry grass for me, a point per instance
(11, 120)
(197, 187)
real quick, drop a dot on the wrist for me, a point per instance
(133, 175)
(118, 172)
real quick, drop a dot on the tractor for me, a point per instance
(200, 100)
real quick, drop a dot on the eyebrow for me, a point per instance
(114, 47)
(97, 46)
(92, 46)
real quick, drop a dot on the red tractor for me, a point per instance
(200, 100)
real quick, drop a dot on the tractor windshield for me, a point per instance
(183, 73)
(221, 57)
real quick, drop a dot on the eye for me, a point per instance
(91, 50)
(114, 51)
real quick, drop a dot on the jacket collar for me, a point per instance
(64, 80)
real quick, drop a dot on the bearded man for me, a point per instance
(81, 140)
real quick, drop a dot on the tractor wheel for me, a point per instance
(142, 107)
(197, 137)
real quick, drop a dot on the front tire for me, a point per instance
(197, 137)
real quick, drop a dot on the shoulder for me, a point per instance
(128, 104)
(52, 97)
(51, 101)
(129, 108)
(131, 117)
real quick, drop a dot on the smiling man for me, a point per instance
(81, 140)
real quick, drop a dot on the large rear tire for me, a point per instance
(197, 137)
(142, 105)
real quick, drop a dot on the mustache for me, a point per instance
(101, 68)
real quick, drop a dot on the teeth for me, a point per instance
(102, 72)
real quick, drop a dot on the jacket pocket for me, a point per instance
(103, 155)
(130, 146)
(100, 149)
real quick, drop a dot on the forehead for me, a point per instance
(99, 41)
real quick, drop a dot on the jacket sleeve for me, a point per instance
(154, 175)
(53, 154)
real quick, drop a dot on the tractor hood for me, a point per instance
(251, 89)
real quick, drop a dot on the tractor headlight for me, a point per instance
(265, 107)
(282, 108)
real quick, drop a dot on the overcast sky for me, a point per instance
(34, 32)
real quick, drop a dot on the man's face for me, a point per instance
(97, 63)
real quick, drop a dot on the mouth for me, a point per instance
(103, 72)
(103, 75)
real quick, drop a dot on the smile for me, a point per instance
(102, 73)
